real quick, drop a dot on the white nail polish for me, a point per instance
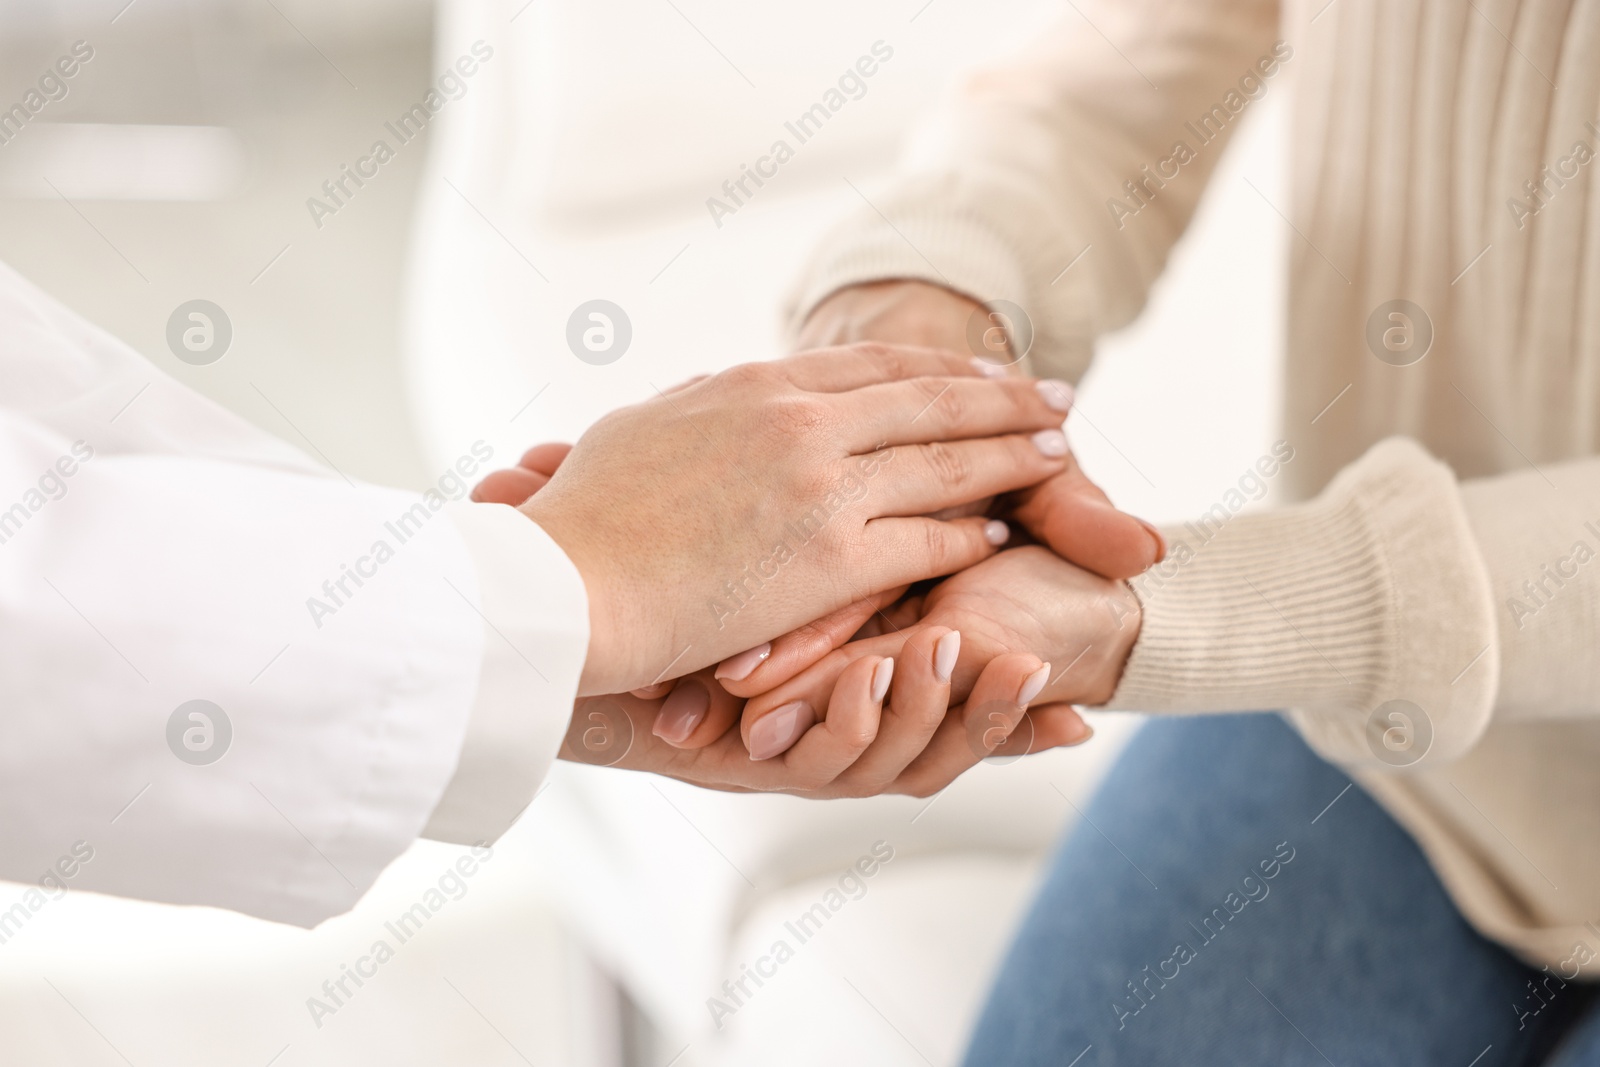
(1056, 393)
(1052, 443)
(882, 674)
(738, 668)
(1033, 685)
(996, 532)
(944, 655)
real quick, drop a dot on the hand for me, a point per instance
(889, 727)
(776, 493)
(531, 474)
(1025, 598)
(1067, 512)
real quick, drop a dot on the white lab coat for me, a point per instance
(156, 549)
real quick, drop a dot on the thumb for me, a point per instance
(1076, 519)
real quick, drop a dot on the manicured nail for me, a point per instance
(654, 692)
(1161, 542)
(944, 655)
(1056, 393)
(881, 675)
(1088, 732)
(738, 668)
(1032, 686)
(780, 729)
(987, 369)
(995, 532)
(682, 712)
(1052, 443)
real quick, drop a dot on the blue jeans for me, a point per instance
(1229, 898)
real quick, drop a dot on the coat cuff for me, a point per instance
(536, 636)
(1374, 592)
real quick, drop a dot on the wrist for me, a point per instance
(603, 670)
(902, 311)
(1123, 616)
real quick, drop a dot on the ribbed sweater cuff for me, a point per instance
(1371, 593)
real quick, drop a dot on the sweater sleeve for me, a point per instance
(1396, 590)
(1060, 180)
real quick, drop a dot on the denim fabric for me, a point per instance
(1229, 898)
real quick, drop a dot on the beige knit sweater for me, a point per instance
(1442, 155)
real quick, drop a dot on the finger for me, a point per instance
(1052, 726)
(903, 550)
(545, 458)
(918, 700)
(819, 753)
(758, 669)
(999, 698)
(901, 615)
(945, 409)
(852, 366)
(513, 486)
(814, 685)
(936, 477)
(1071, 515)
(696, 712)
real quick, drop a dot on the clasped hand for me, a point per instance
(900, 681)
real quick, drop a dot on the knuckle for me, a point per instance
(938, 551)
(796, 417)
(857, 736)
(947, 401)
(747, 374)
(950, 466)
(875, 351)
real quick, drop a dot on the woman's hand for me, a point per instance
(1068, 512)
(772, 494)
(1026, 598)
(888, 727)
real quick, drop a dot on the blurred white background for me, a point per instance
(430, 311)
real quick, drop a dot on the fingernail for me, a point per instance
(738, 668)
(1161, 542)
(1052, 443)
(944, 655)
(1056, 393)
(881, 674)
(776, 732)
(995, 532)
(682, 712)
(1032, 686)
(1088, 732)
(987, 369)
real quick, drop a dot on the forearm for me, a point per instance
(1032, 156)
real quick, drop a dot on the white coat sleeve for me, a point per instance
(230, 676)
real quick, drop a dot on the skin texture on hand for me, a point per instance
(1025, 598)
(888, 727)
(755, 500)
(1068, 512)
(898, 312)
(911, 752)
